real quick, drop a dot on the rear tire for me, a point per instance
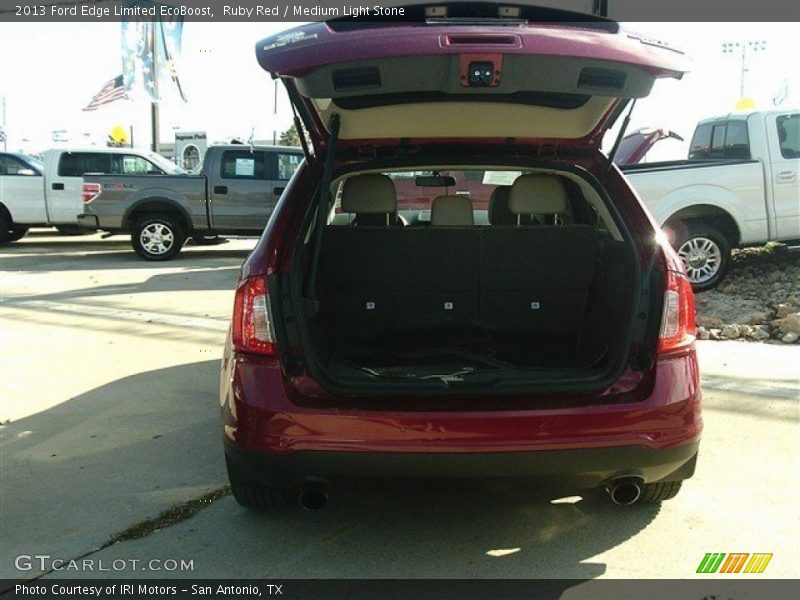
(157, 236)
(705, 253)
(251, 493)
(16, 233)
(657, 492)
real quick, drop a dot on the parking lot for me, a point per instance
(109, 407)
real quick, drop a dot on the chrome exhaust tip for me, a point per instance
(625, 491)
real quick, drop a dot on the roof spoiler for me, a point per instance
(466, 13)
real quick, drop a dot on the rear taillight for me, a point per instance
(251, 328)
(677, 320)
(91, 191)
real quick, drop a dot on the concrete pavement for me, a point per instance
(109, 379)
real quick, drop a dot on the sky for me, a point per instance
(50, 71)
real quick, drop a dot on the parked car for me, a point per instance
(740, 186)
(234, 193)
(33, 194)
(555, 342)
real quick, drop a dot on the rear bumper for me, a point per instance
(276, 427)
(571, 469)
(87, 221)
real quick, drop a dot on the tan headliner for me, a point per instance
(466, 120)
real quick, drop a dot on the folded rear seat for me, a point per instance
(536, 278)
(375, 279)
(528, 279)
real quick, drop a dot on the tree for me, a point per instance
(290, 137)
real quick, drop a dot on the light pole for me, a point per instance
(743, 47)
(3, 128)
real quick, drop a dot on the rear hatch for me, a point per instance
(491, 75)
(447, 81)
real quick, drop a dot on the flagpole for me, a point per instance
(154, 105)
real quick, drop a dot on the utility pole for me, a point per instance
(743, 47)
(275, 115)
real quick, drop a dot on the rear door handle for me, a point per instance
(220, 189)
(278, 190)
(785, 175)
(57, 186)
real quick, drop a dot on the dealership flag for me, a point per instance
(113, 90)
(150, 53)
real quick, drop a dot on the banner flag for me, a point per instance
(151, 51)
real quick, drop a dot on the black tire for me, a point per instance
(657, 492)
(709, 243)
(251, 493)
(5, 228)
(168, 226)
(16, 233)
(72, 230)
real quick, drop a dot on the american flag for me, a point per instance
(113, 90)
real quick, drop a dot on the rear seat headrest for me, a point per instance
(369, 194)
(453, 211)
(538, 194)
(499, 213)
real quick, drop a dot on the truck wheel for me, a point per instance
(10, 232)
(663, 490)
(706, 254)
(17, 233)
(250, 493)
(157, 236)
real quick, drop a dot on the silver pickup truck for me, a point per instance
(234, 194)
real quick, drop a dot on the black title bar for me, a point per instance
(322, 10)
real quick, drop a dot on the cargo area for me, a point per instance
(535, 287)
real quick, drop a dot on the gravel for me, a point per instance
(759, 300)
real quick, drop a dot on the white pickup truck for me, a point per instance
(739, 187)
(50, 193)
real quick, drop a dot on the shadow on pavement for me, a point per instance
(87, 468)
(74, 475)
(69, 253)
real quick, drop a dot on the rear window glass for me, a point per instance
(415, 192)
(789, 135)
(244, 164)
(717, 141)
(720, 140)
(701, 142)
(410, 196)
(737, 142)
(287, 164)
(75, 164)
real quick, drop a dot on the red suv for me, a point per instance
(550, 334)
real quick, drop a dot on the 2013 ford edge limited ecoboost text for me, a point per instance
(548, 335)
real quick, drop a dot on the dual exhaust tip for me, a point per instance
(625, 490)
(313, 495)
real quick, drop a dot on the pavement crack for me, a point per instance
(168, 518)
(173, 515)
